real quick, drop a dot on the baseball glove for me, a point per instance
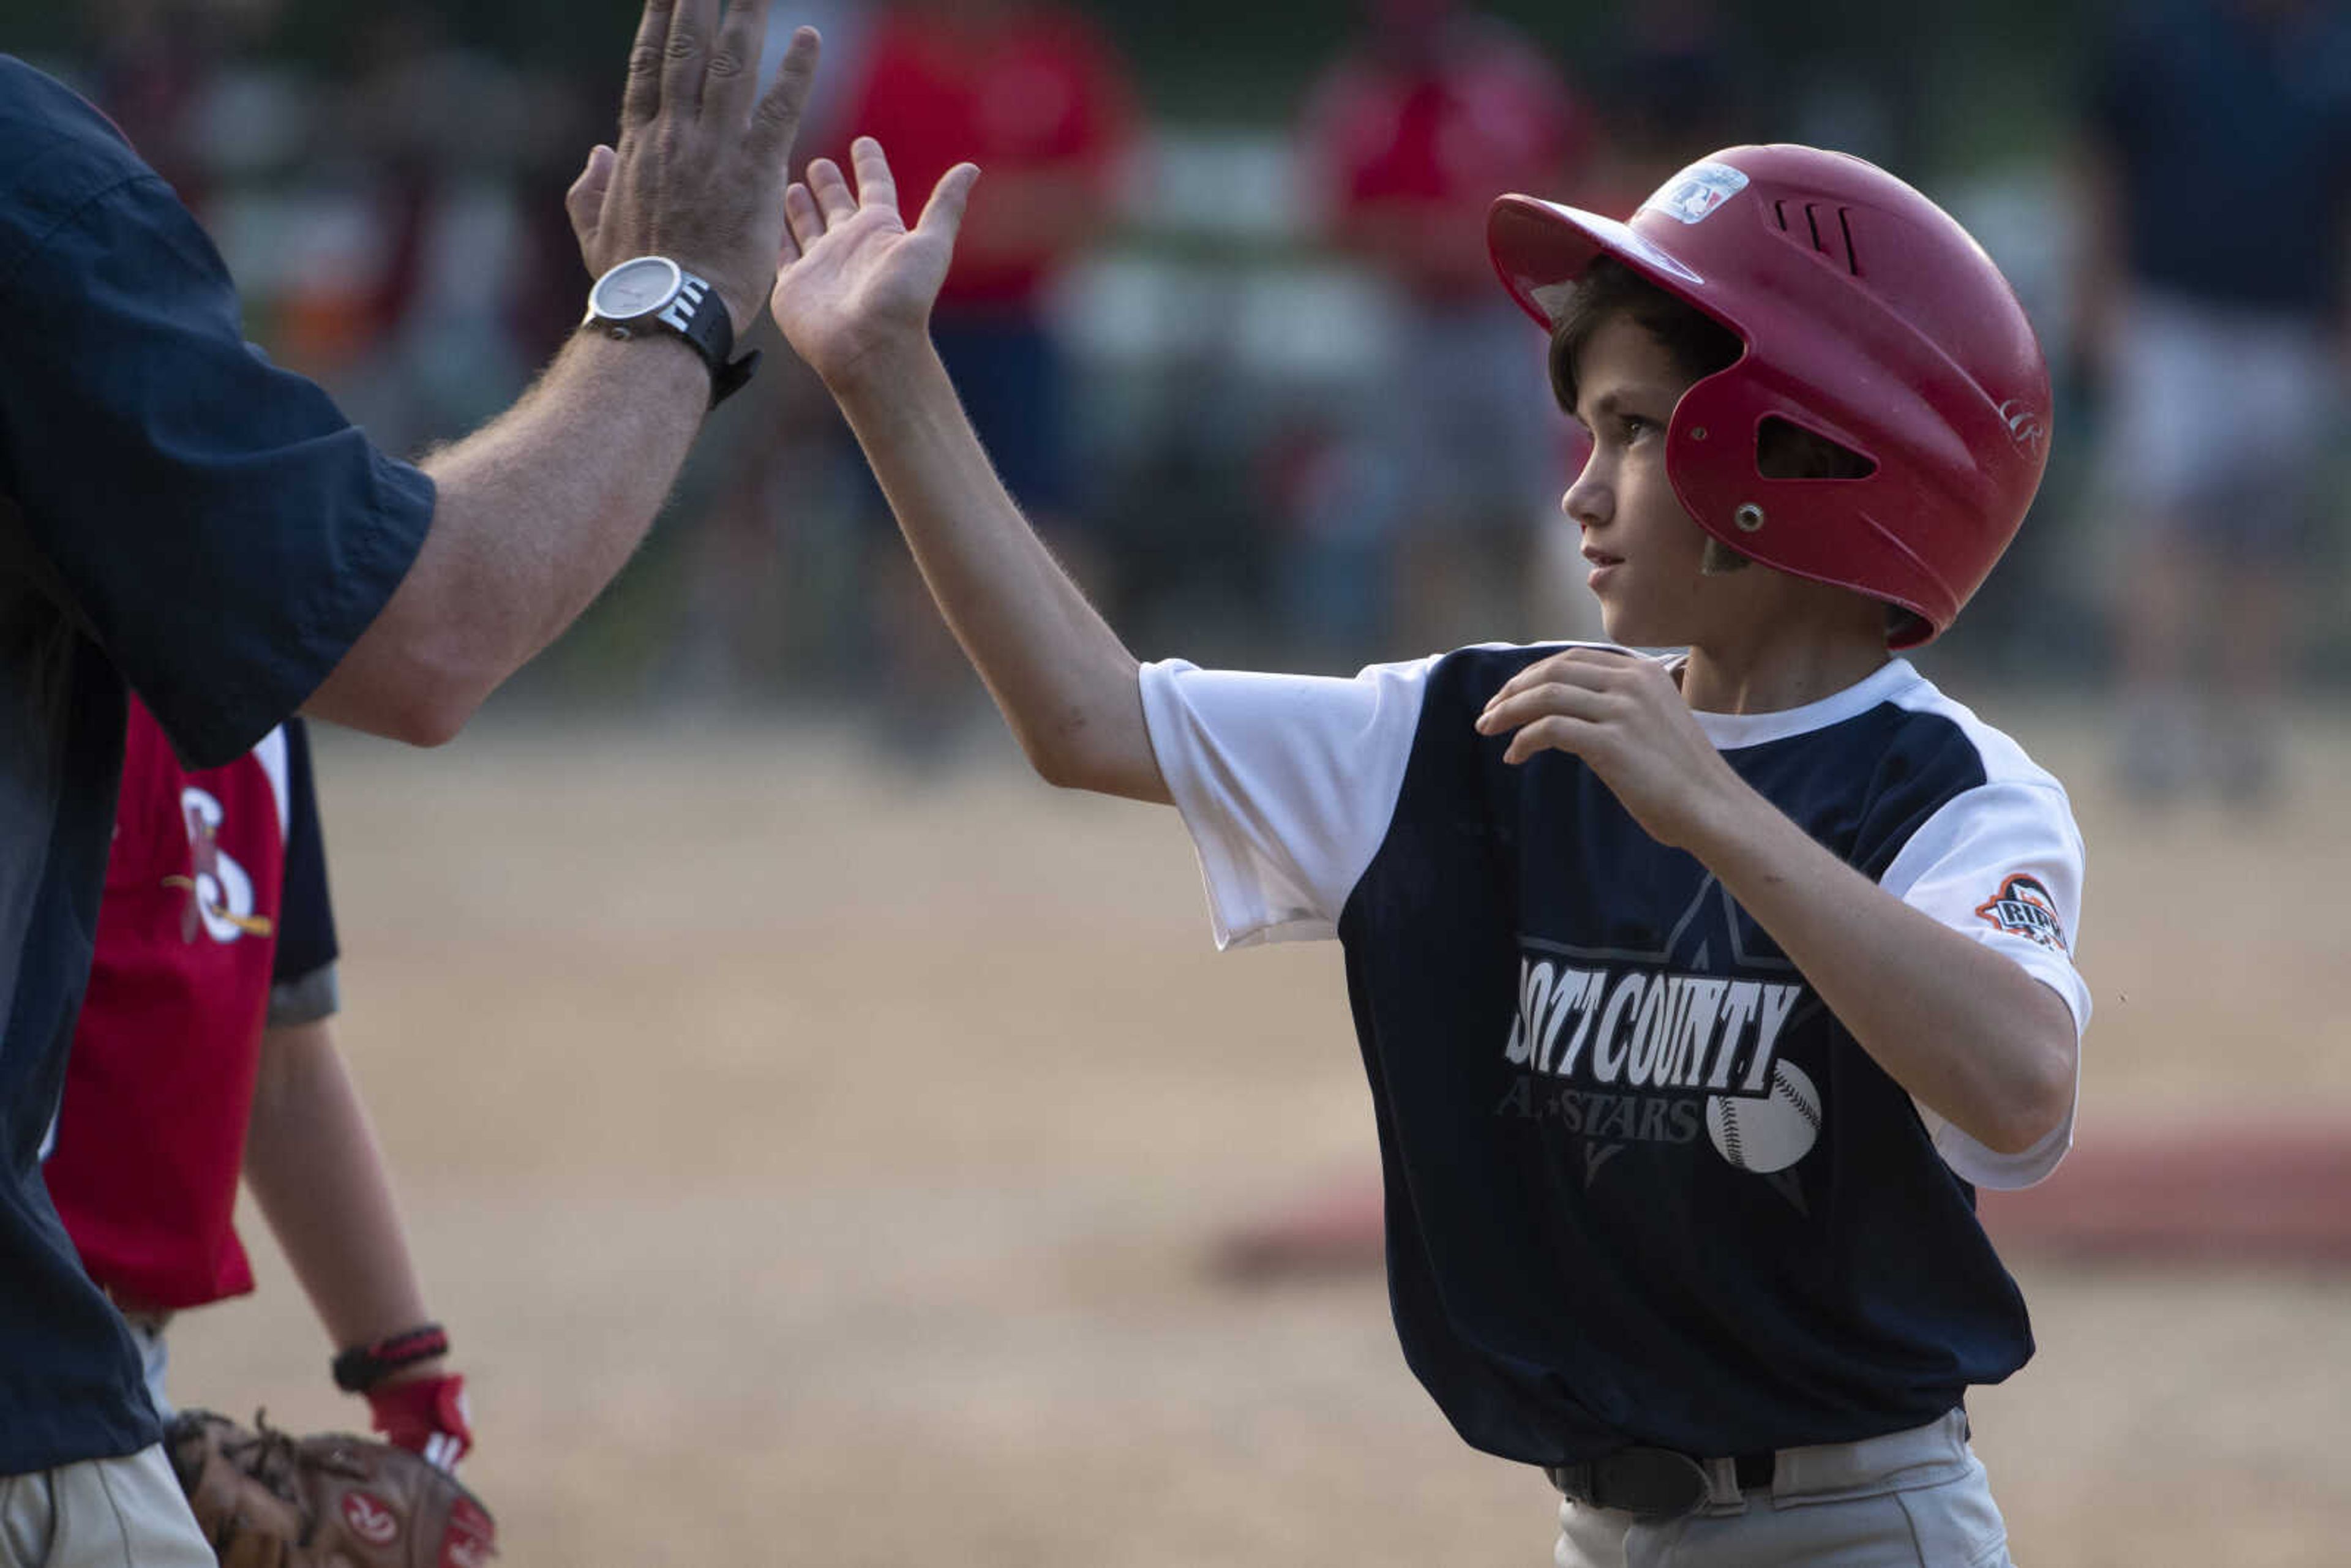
(266, 1499)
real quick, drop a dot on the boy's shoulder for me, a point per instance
(1920, 767)
(1931, 718)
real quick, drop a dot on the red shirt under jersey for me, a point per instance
(211, 896)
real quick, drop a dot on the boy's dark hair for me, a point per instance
(1698, 346)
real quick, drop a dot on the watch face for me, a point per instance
(635, 288)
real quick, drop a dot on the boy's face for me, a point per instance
(1644, 548)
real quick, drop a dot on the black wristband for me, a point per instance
(363, 1366)
(725, 384)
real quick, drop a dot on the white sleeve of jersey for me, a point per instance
(1286, 784)
(2002, 863)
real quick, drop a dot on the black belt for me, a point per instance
(1652, 1483)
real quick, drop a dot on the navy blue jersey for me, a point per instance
(175, 515)
(1641, 1186)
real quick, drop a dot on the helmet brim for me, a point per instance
(1541, 248)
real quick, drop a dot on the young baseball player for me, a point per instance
(1697, 993)
(204, 1050)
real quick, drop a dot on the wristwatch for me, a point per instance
(653, 294)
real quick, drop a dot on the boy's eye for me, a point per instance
(1634, 426)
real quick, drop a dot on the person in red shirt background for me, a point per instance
(1405, 140)
(1038, 97)
(203, 1052)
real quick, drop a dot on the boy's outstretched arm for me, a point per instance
(854, 297)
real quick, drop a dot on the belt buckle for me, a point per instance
(1653, 1485)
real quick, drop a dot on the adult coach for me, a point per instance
(184, 521)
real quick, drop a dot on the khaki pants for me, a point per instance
(100, 1513)
(1909, 1500)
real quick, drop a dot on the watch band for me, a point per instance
(697, 314)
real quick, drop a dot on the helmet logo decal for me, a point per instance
(2024, 425)
(1694, 194)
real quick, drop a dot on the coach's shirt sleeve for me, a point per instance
(2001, 865)
(214, 523)
(1286, 784)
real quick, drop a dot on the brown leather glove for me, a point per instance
(266, 1499)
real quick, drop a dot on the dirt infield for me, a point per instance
(815, 1168)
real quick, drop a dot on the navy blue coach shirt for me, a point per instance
(175, 515)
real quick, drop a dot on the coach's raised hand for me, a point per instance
(856, 284)
(535, 512)
(700, 171)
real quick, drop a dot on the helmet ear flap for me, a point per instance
(1828, 528)
(1711, 453)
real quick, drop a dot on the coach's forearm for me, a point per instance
(1967, 1030)
(1067, 686)
(312, 1162)
(537, 512)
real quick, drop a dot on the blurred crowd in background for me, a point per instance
(1223, 315)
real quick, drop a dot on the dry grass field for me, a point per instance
(819, 1168)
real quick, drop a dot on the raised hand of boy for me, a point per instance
(853, 297)
(855, 283)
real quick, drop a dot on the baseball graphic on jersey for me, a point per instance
(1770, 1132)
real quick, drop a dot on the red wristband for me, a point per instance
(426, 1415)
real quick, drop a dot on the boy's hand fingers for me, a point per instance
(1557, 669)
(1537, 702)
(1556, 732)
(1591, 669)
(876, 187)
(943, 214)
(831, 191)
(1558, 666)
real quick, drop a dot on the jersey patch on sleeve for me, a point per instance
(2023, 908)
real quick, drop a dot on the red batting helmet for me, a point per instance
(1870, 317)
